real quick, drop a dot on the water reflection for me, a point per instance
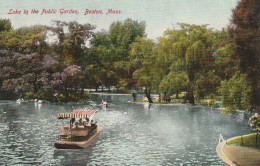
(37, 105)
(131, 134)
(147, 107)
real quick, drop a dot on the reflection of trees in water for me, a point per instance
(11, 122)
(26, 133)
(73, 156)
(37, 106)
(147, 107)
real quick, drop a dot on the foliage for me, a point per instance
(5, 25)
(173, 83)
(188, 50)
(245, 30)
(255, 121)
(235, 92)
(193, 59)
(26, 72)
(112, 50)
(72, 38)
(228, 110)
(250, 140)
(25, 40)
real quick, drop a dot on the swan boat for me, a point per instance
(80, 133)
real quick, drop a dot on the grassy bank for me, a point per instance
(251, 140)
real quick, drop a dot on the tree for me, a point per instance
(187, 50)
(113, 50)
(235, 92)
(72, 38)
(147, 78)
(245, 30)
(255, 123)
(25, 40)
(142, 59)
(26, 72)
(226, 62)
(173, 83)
(5, 25)
(71, 76)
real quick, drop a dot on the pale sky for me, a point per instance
(158, 15)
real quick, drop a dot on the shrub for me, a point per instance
(228, 110)
(235, 92)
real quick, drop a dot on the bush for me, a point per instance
(235, 92)
(228, 110)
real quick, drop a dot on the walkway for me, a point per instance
(241, 155)
(238, 155)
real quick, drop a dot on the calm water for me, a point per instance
(131, 134)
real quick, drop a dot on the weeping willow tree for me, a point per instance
(173, 83)
(193, 56)
(187, 51)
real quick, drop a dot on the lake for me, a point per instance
(131, 133)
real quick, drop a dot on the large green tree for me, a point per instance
(144, 65)
(71, 40)
(245, 30)
(5, 25)
(188, 50)
(25, 39)
(113, 49)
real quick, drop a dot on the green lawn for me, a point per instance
(247, 140)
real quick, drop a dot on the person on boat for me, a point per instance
(77, 122)
(72, 120)
(104, 104)
(93, 125)
(92, 122)
(85, 122)
(80, 121)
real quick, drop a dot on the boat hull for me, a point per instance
(64, 144)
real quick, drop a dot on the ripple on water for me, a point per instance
(131, 134)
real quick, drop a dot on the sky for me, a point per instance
(159, 15)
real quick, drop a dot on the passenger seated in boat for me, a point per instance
(104, 104)
(77, 122)
(80, 121)
(93, 124)
(85, 122)
(72, 120)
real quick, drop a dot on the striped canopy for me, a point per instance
(76, 114)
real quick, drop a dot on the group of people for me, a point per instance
(81, 122)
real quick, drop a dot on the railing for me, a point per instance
(220, 139)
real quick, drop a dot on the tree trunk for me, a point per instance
(148, 95)
(256, 138)
(76, 88)
(190, 96)
(82, 88)
(66, 88)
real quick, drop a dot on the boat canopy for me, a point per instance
(77, 114)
